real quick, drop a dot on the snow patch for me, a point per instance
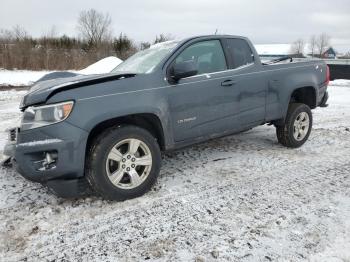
(20, 77)
(340, 82)
(103, 66)
(273, 49)
(11, 95)
(27, 77)
(40, 142)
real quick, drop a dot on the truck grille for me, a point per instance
(13, 134)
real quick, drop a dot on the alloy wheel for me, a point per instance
(301, 126)
(129, 163)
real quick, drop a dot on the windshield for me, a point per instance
(145, 61)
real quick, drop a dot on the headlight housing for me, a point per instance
(38, 116)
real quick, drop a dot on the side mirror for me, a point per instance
(184, 69)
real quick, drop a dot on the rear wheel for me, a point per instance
(297, 126)
(123, 163)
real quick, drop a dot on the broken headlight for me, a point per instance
(38, 116)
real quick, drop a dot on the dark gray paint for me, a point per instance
(259, 94)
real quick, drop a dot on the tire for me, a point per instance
(108, 162)
(291, 136)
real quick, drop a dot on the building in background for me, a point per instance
(329, 53)
(339, 64)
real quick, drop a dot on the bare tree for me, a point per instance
(51, 32)
(298, 47)
(6, 35)
(312, 45)
(124, 46)
(19, 33)
(163, 38)
(95, 27)
(322, 42)
(144, 45)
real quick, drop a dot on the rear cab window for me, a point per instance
(239, 53)
(207, 55)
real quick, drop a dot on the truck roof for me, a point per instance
(216, 36)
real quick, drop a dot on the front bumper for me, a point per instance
(65, 143)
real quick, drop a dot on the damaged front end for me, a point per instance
(52, 155)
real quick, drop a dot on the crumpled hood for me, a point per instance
(41, 91)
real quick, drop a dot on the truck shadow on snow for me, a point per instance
(256, 149)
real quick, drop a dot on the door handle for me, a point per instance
(228, 82)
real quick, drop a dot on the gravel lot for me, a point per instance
(238, 198)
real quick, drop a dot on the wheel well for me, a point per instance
(150, 122)
(305, 95)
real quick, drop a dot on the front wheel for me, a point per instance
(297, 126)
(123, 163)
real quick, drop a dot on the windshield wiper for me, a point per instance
(278, 60)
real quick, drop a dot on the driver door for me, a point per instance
(205, 104)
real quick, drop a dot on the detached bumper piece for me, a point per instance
(10, 148)
(7, 162)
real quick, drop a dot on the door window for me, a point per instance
(239, 52)
(207, 55)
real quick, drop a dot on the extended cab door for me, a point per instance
(248, 79)
(205, 104)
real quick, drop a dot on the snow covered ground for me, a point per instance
(20, 77)
(26, 77)
(238, 198)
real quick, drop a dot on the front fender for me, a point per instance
(90, 112)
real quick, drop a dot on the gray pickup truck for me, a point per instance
(105, 133)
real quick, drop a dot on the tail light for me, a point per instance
(328, 75)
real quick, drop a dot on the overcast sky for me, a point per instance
(263, 21)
